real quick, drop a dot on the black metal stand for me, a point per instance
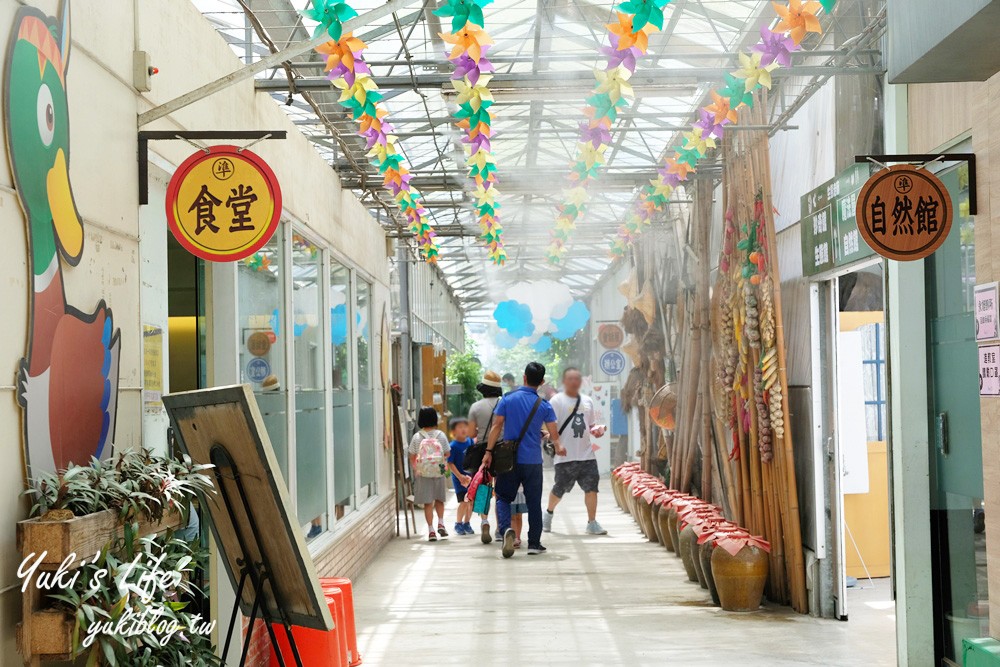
(145, 136)
(968, 158)
(258, 572)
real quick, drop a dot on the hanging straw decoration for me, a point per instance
(347, 70)
(629, 40)
(774, 50)
(471, 79)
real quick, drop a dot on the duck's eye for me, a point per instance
(46, 115)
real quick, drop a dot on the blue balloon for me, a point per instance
(515, 317)
(573, 321)
(505, 341)
(544, 344)
(338, 324)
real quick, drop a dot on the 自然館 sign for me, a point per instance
(904, 213)
(223, 203)
(610, 335)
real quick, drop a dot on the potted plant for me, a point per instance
(91, 519)
(739, 566)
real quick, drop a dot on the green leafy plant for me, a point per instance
(463, 368)
(135, 483)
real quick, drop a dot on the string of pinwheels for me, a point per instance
(471, 78)
(629, 41)
(347, 70)
(774, 50)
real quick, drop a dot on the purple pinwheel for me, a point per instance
(404, 184)
(625, 58)
(481, 142)
(673, 180)
(466, 66)
(775, 47)
(594, 135)
(709, 128)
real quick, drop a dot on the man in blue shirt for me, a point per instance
(511, 414)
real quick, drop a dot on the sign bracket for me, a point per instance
(968, 158)
(145, 136)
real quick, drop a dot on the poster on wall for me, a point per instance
(223, 203)
(989, 370)
(986, 312)
(67, 382)
(152, 368)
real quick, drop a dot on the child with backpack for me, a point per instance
(429, 452)
(460, 478)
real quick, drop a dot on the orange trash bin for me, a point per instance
(338, 610)
(316, 647)
(344, 585)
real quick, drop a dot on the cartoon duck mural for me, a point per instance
(68, 379)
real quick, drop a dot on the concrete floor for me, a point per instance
(615, 600)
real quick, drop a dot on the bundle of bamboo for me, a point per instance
(750, 358)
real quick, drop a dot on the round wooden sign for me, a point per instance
(610, 336)
(904, 213)
(259, 343)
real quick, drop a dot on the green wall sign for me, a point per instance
(830, 236)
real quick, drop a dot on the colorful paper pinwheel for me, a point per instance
(330, 15)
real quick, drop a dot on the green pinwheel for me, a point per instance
(828, 5)
(645, 11)
(463, 12)
(330, 15)
(736, 92)
(604, 107)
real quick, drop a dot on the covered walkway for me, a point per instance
(589, 601)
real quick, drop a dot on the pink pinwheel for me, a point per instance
(480, 142)
(594, 135)
(775, 47)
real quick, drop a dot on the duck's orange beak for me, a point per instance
(65, 219)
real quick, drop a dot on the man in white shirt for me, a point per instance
(575, 416)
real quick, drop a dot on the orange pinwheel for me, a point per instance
(721, 110)
(367, 122)
(681, 169)
(626, 37)
(341, 51)
(798, 18)
(470, 39)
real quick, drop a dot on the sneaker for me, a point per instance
(536, 550)
(314, 532)
(594, 528)
(441, 531)
(432, 537)
(485, 534)
(467, 527)
(459, 529)
(508, 543)
(498, 536)
(547, 521)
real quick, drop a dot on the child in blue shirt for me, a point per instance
(460, 478)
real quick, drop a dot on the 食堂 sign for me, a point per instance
(223, 203)
(904, 213)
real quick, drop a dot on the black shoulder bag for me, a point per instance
(550, 448)
(473, 458)
(505, 451)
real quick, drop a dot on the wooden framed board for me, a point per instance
(228, 417)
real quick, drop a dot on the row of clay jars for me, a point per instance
(736, 583)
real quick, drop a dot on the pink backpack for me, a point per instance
(430, 458)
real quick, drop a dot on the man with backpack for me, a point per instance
(578, 463)
(514, 449)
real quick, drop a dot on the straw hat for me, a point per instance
(492, 379)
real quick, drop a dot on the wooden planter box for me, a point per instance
(47, 634)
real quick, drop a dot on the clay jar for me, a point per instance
(705, 555)
(740, 579)
(655, 506)
(686, 538)
(645, 505)
(616, 488)
(663, 525)
(672, 529)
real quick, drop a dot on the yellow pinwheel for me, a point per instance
(590, 155)
(577, 196)
(694, 140)
(753, 73)
(473, 95)
(359, 91)
(661, 189)
(614, 83)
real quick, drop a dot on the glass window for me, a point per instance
(366, 394)
(341, 314)
(310, 386)
(262, 342)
